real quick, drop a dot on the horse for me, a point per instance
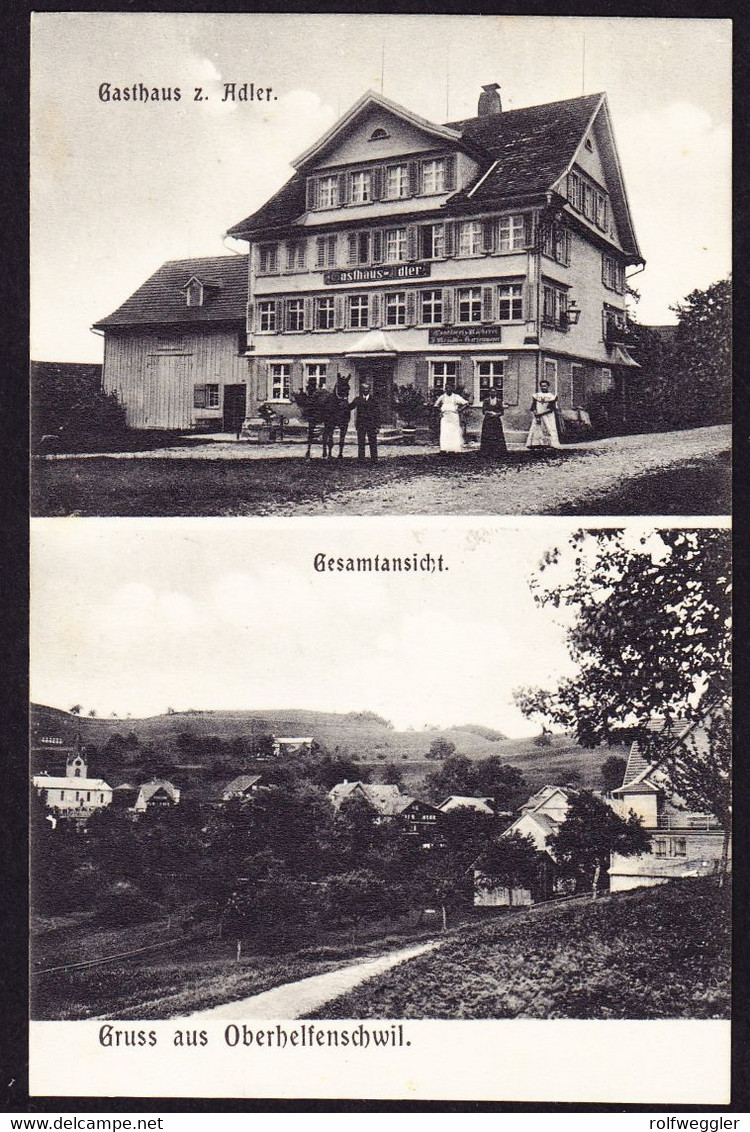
(311, 406)
(336, 414)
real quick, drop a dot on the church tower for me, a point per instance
(75, 767)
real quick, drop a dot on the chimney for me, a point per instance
(490, 101)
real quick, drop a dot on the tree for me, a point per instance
(591, 832)
(76, 709)
(612, 771)
(648, 628)
(703, 354)
(393, 776)
(455, 776)
(512, 861)
(441, 749)
(356, 895)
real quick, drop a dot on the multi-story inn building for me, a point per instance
(489, 252)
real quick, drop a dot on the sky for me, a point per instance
(134, 616)
(118, 188)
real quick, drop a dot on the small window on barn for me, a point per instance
(194, 293)
(168, 343)
(379, 135)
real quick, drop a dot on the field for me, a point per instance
(189, 969)
(372, 742)
(651, 953)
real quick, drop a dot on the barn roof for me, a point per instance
(161, 299)
(384, 798)
(240, 784)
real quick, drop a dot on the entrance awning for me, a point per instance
(373, 344)
(619, 356)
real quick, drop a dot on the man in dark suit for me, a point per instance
(368, 421)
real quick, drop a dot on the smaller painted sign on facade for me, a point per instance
(463, 335)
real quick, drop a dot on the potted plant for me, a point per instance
(411, 407)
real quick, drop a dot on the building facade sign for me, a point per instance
(377, 274)
(463, 335)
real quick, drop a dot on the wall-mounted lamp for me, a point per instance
(573, 312)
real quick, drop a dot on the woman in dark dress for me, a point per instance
(493, 438)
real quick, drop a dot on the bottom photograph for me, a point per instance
(377, 773)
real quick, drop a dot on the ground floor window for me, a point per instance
(670, 847)
(212, 397)
(279, 380)
(577, 386)
(550, 373)
(442, 374)
(489, 374)
(314, 373)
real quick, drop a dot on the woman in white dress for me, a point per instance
(543, 432)
(449, 405)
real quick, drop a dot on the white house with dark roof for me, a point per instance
(174, 352)
(487, 252)
(684, 843)
(158, 794)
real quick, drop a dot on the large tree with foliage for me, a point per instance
(703, 354)
(591, 832)
(512, 861)
(648, 627)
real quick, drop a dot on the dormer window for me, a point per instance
(194, 293)
(379, 135)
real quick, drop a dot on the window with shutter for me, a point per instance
(374, 310)
(376, 184)
(488, 313)
(489, 234)
(448, 238)
(411, 242)
(411, 308)
(352, 247)
(343, 189)
(414, 178)
(320, 251)
(450, 172)
(199, 396)
(447, 304)
(250, 318)
(312, 194)
(279, 314)
(377, 247)
(339, 311)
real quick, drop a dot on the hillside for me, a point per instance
(361, 735)
(651, 953)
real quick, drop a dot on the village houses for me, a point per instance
(489, 253)
(74, 794)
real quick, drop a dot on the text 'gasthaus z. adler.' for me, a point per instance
(148, 93)
(413, 563)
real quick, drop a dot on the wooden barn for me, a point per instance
(174, 352)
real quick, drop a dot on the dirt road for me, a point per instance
(293, 1000)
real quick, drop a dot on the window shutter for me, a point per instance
(295, 377)
(261, 379)
(250, 318)
(604, 269)
(448, 237)
(489, 234)
(447, 305)
(312, 193)
(338, 311)
(411, 242)
(376, 183)
(351, 247)
(488, 313)
(320, 251)
(280, 313)
(414, 185)
(199, 396)
(309, 315)
(411, 308)
(332, 250)
(301, 254)
(377, 247)
(421, 376)
(450, 172)
(529, 295)
(375, 313)
(528, 229)
(343, 188)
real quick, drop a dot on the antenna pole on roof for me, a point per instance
(583, 65)
(382, 67)
(447, 80)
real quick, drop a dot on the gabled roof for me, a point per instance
(522, 153)
(161, 299)
(383, 798)
(529, 149)
(543, 796)
(240, 785)
(369, 99)
(53, 782)
(638, 765)
(149, 789)
(462, 801)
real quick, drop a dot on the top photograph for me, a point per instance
(380, 265)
